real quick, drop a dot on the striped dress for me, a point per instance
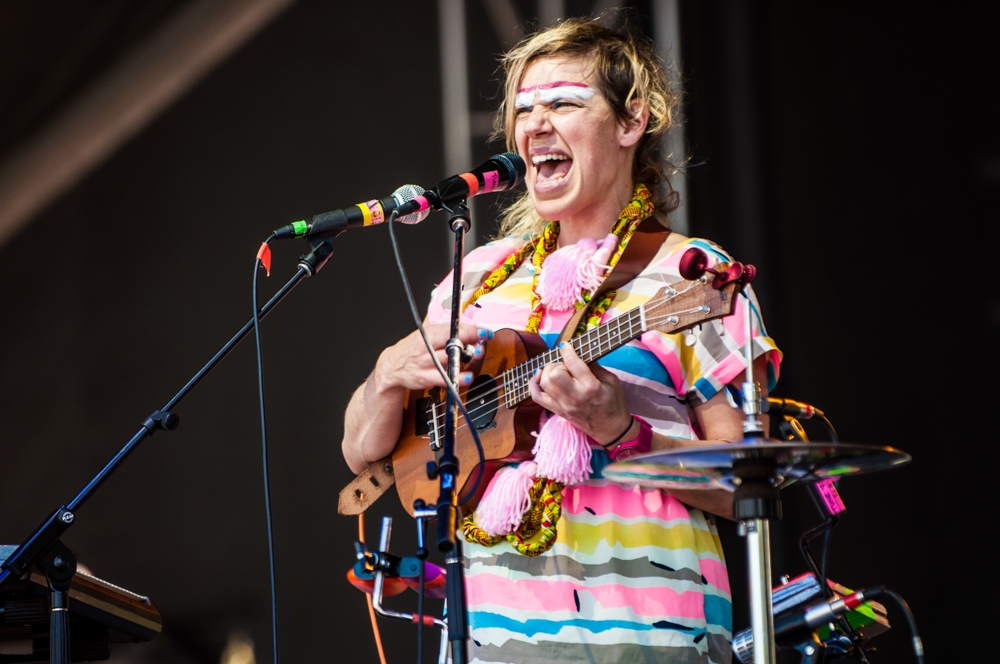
(634, 575)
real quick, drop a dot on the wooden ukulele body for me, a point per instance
(505, 433)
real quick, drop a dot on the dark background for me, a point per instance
(849, 150)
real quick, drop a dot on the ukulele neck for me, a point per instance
(590, 346)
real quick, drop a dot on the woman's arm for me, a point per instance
(374, 415)
(719, 423)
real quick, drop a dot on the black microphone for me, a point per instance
(368, 213)
(500, 172)
(796, 625)
(790, 407)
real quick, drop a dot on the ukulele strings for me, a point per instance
(552, 356)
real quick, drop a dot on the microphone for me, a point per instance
(790, 407)
(368, 213)
(500, 172)
(795, 625)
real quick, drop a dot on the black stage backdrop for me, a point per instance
(848, 150)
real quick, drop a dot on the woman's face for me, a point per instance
(579, 156)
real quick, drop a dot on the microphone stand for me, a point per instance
(446, 469)
(44, 549)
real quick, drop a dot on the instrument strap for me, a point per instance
(366, 488)
(650, 240)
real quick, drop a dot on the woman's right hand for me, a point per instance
(408, 366)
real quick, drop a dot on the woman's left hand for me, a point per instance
(590, 397)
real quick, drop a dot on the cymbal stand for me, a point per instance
(755, 502)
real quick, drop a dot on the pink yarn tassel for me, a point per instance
(572, 269)
(562, 452)
(590, 273)
(506, 500)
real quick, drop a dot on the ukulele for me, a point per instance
(498, 400)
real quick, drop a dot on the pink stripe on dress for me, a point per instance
(715, 573)
(551, 596)
(622, 502)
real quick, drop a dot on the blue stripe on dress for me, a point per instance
(719, 611)
(534, 626)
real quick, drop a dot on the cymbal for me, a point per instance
(711, 467)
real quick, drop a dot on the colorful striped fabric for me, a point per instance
(634, 575)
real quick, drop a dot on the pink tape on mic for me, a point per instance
(492, 180)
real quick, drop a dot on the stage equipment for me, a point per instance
(755, 469)
(801, 622)
(380, 573)
(99, 614)
(412, 203)
(369, 213)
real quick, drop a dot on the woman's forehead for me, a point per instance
(546, 73)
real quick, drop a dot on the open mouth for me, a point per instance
(551, 166)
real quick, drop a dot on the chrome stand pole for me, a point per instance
(758, 534)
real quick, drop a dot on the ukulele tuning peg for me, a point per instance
(693, 264)
(730, 273)
(749, 272)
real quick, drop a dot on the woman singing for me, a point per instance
(619, 574)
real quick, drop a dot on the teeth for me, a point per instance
(539, 158)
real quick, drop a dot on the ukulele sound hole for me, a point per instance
(482, 401)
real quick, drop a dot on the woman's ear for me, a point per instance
(632, 130)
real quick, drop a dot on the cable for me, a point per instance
(829, 428)
(430, 349)
(263, 260)
(371, 606)
(918, 644)
(420, 614)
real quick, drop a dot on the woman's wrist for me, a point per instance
(631, 444)
(384, 377)
(624, 435)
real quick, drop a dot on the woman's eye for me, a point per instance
(522, 110)
(564, 104)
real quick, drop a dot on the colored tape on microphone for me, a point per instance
(373, 212)
(472, 181)
(492, 180)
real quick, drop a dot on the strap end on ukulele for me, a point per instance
(366, 488)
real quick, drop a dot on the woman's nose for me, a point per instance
(537, 121)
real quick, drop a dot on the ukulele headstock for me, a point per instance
(698, 297)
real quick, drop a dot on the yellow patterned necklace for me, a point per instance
(546, 495)
(637, 211)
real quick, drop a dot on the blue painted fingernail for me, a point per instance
(562, 343)
(466, 378)
(479, 351)
(536, 371)
(485, 334)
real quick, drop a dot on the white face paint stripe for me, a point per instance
(550, 92)
(524, 99)
(564, 91)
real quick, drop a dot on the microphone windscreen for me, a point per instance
(407, 193)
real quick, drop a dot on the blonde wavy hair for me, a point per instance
(626, 68)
